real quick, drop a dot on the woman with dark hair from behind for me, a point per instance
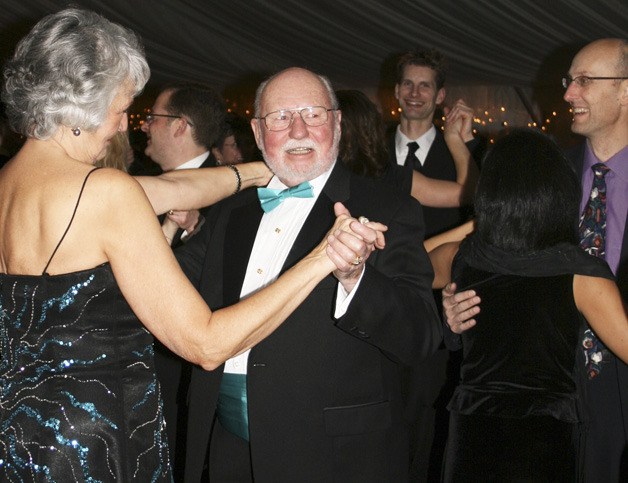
(515, 414)
(363, 140)
(363, 149)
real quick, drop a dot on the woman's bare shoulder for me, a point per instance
(113, 186)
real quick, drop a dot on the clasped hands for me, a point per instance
(459, 121)
(186, 220)
(350, 243)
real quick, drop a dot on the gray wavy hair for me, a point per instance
(67, 71)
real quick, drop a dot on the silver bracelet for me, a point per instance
(238, 178)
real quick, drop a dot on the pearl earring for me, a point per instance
(76, 131)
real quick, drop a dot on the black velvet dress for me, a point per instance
(516, 414)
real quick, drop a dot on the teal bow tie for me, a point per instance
(271, 199)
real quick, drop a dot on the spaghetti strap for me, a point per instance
(71, 220)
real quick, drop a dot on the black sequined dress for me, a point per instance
(79, 400)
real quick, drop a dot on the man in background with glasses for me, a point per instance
(320, 399)
(184, 122)
(597, 90)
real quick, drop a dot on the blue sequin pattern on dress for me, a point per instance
(78, 396)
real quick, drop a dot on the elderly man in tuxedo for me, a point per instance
(320, 399)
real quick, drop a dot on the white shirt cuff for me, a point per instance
(344, 298)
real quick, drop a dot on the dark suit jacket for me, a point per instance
(606, 396)
(210, 162)
(173, 375)
(439, 164)
(324, 394)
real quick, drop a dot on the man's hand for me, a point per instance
(186, 220)
(349, 249)
(460, 308)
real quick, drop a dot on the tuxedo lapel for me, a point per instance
(244, 221)
(322, 217)
(438, 151)
(392, 148)
(239, 238)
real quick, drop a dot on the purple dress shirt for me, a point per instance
(616, 199)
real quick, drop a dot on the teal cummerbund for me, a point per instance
(232, 405)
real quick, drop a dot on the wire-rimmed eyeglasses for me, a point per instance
(312, 116)
(151, 117)
(585, 80)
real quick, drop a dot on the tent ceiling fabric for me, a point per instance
(221, 43)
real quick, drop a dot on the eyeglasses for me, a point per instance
(585, 80)
(312, 116)
(151, 117)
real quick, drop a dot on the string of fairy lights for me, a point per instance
(486, 123)
(136, 119)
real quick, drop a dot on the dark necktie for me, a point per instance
(411, 158)
(592, 230)
(271, 199)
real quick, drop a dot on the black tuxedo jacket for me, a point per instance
(606, 396)
(439, 164)
(173, 375)
(324, 395)
(210, 162)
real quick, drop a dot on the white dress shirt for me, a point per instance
(424, 141)
(276, 234)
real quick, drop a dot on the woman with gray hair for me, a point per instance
(85, 271)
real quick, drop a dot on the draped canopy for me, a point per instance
(500, 52)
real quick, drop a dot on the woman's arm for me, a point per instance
(188, 189)
(449, 194)
(456, 234)
(442, 258)
(168, 305)
(442, 249)
(601, 304)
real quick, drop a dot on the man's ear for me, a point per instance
(180, 126)
(623, 93)
(255, 125)
(440, 96)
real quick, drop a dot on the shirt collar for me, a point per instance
(317, 183)
(424, 141)
(618, 163)
(195, 162)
